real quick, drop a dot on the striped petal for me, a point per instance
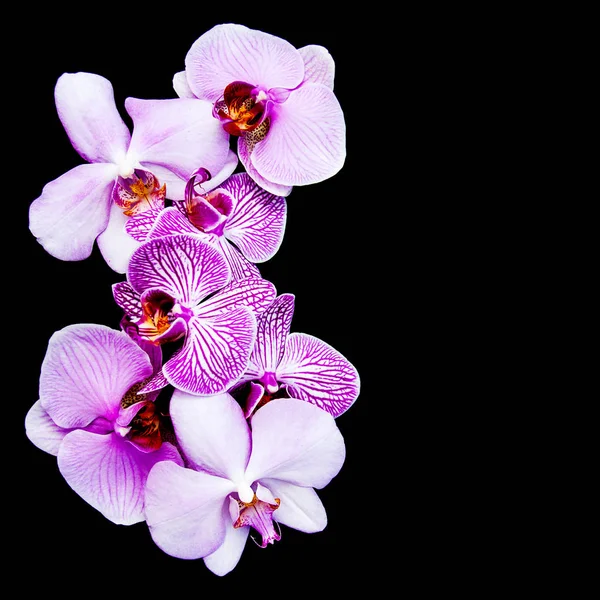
(254, 292)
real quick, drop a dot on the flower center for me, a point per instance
(138, 192)
(243, 108)
(259, 515)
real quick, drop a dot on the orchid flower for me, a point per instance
(170, 138)
(297, 365)
(277, 100)
(180, 287)
(241, 476)
(106, 436)
(244, 221)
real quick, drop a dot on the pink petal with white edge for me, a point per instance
(228, 53)
(226, 557)
(300, 507)
(246, 160)
(254, 292)
(171, 221)
(86, 107)
(319, 66)
(42, 431)
(73, 210)
(273, 328)
(181, 86)
(86, 372)
(307, 140)
(318, 373)
(296, 442)
(215, 353)
(109, 473)
(212, 433)
(257, 223)
(183, 266)
(184, 510)
(115, 244)
(179, 134)
(241, 268)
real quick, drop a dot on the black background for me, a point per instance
(336, 258)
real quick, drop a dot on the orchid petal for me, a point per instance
(241, 267)
(184, 510)
(225, 558)
(306, 142)
(109, 473)
(255, 394)
(254, 292)
(139, 226)
(215, 353)
(228, 53)
(300, 507)
(273, 328)
(245, 154)
(73, 210)
(212, 433)
(180, 134)
(86, 372)
(115, 244)
(158, 382)
(86, 107)
(317, 373)
(257, 224)
(296, 442)
(127, 299)
(319, 66)
(42, 431)
(172, 222)
(183, 266)
(181, 86)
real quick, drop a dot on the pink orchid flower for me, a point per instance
(170, 138)
(106, 436)
(276, 99)
(241, 476)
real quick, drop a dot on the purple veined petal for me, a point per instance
(180, 134)
(254, 292)
(228, 53)
(73, 210)
(86, 107)
(300, 507)
(181, 86)
(255, 394)
(156, 383)
(86, 372)
(241, 267)
(273, 328)
(184, 510)
(319, 66)
(172, 222)
(115, 244)
(316, 372)
(42, 431)
(139, 226)
(212, 433)
(183, 266)
(257, 223)
(215, 353)
(225, 558)
(245, 153)
(296, 442)
(306, 142)
(127, 299)
(109, 473)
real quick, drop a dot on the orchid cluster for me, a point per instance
(200, 413)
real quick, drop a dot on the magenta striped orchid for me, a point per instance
(180, 287)
(295, 365)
